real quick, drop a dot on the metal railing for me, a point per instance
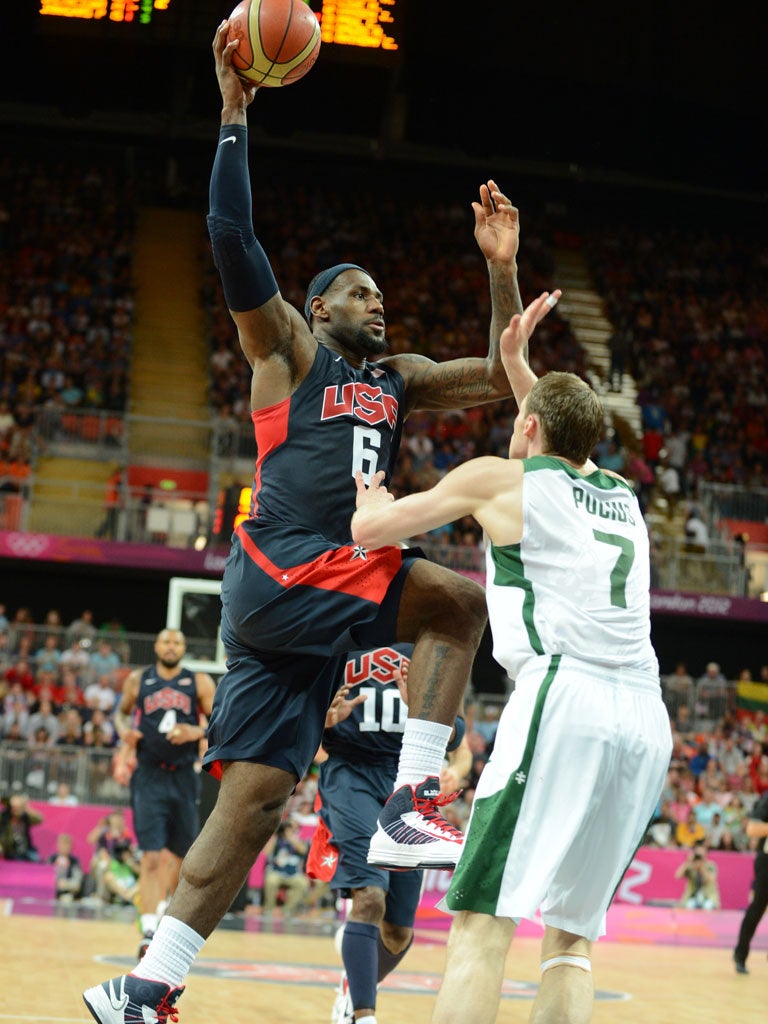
(134, 649)
(174, 518)
(90, 433)
(718, 570)
(38, 772)
(105, 435)
(727, 501)
(706, 701)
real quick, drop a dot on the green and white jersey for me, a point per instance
(579, 581)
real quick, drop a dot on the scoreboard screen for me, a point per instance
(143, 12)
(371, 24)
(354, 26)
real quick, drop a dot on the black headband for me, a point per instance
(324, 280)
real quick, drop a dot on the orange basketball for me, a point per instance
(278, 40)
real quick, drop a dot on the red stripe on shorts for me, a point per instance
(345, 569)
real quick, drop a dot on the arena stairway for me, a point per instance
(582, 306)
(169, 367)
(68, 496)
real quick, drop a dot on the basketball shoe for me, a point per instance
(411, 832)
(131, 1000)
(342, 1012)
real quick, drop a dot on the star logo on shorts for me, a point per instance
(329, 860)
(520, 778)
(359, 552)
(285, 577)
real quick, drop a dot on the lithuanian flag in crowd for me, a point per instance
(751, 696)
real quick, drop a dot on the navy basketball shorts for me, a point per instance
(292, 607)
(165, 807)
(352, 797)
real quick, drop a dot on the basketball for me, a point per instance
(278, 40)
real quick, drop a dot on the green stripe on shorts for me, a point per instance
(476, 882)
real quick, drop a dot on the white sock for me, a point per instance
(368, 1019)
(422, 752)
(170, 954)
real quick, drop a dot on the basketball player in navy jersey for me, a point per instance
(159, 718)
(362, 742)
(297, 595)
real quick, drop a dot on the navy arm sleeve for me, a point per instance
(246, 275)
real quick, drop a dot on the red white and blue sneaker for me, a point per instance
(132, 1000)
(412, 833)
(342, 1012)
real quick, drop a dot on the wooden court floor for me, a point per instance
(281, 978)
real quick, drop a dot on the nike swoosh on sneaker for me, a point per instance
(118, 1003)
(229, 138)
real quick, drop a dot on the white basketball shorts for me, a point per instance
(577, 768)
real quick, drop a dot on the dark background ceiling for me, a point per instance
(660, 90)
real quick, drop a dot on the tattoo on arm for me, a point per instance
(505, 302)
(459, 383)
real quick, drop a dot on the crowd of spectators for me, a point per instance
(688, 309)
(59, 684)
(693, 309)
(66, 295)
(691, 335)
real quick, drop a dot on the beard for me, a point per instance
(369, 344)
(170, 662)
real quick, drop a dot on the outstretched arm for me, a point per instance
(514, 343)
(274, 337)
(380, 520)
(497, 231)
(464, 383)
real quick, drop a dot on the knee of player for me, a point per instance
(462, 606)
(151, 860)
(368, 905)
(396, 937)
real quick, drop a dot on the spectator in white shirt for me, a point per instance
(100, 695)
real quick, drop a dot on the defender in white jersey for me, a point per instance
(584, 743)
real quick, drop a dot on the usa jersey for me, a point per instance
(162, 704)
(579, 581)
(338, 421)
(373, 733)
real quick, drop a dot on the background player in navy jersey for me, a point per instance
(362, 742)
(297, 595)
(159, 718)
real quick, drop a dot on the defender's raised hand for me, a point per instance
(515, 336)
(513, 343)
